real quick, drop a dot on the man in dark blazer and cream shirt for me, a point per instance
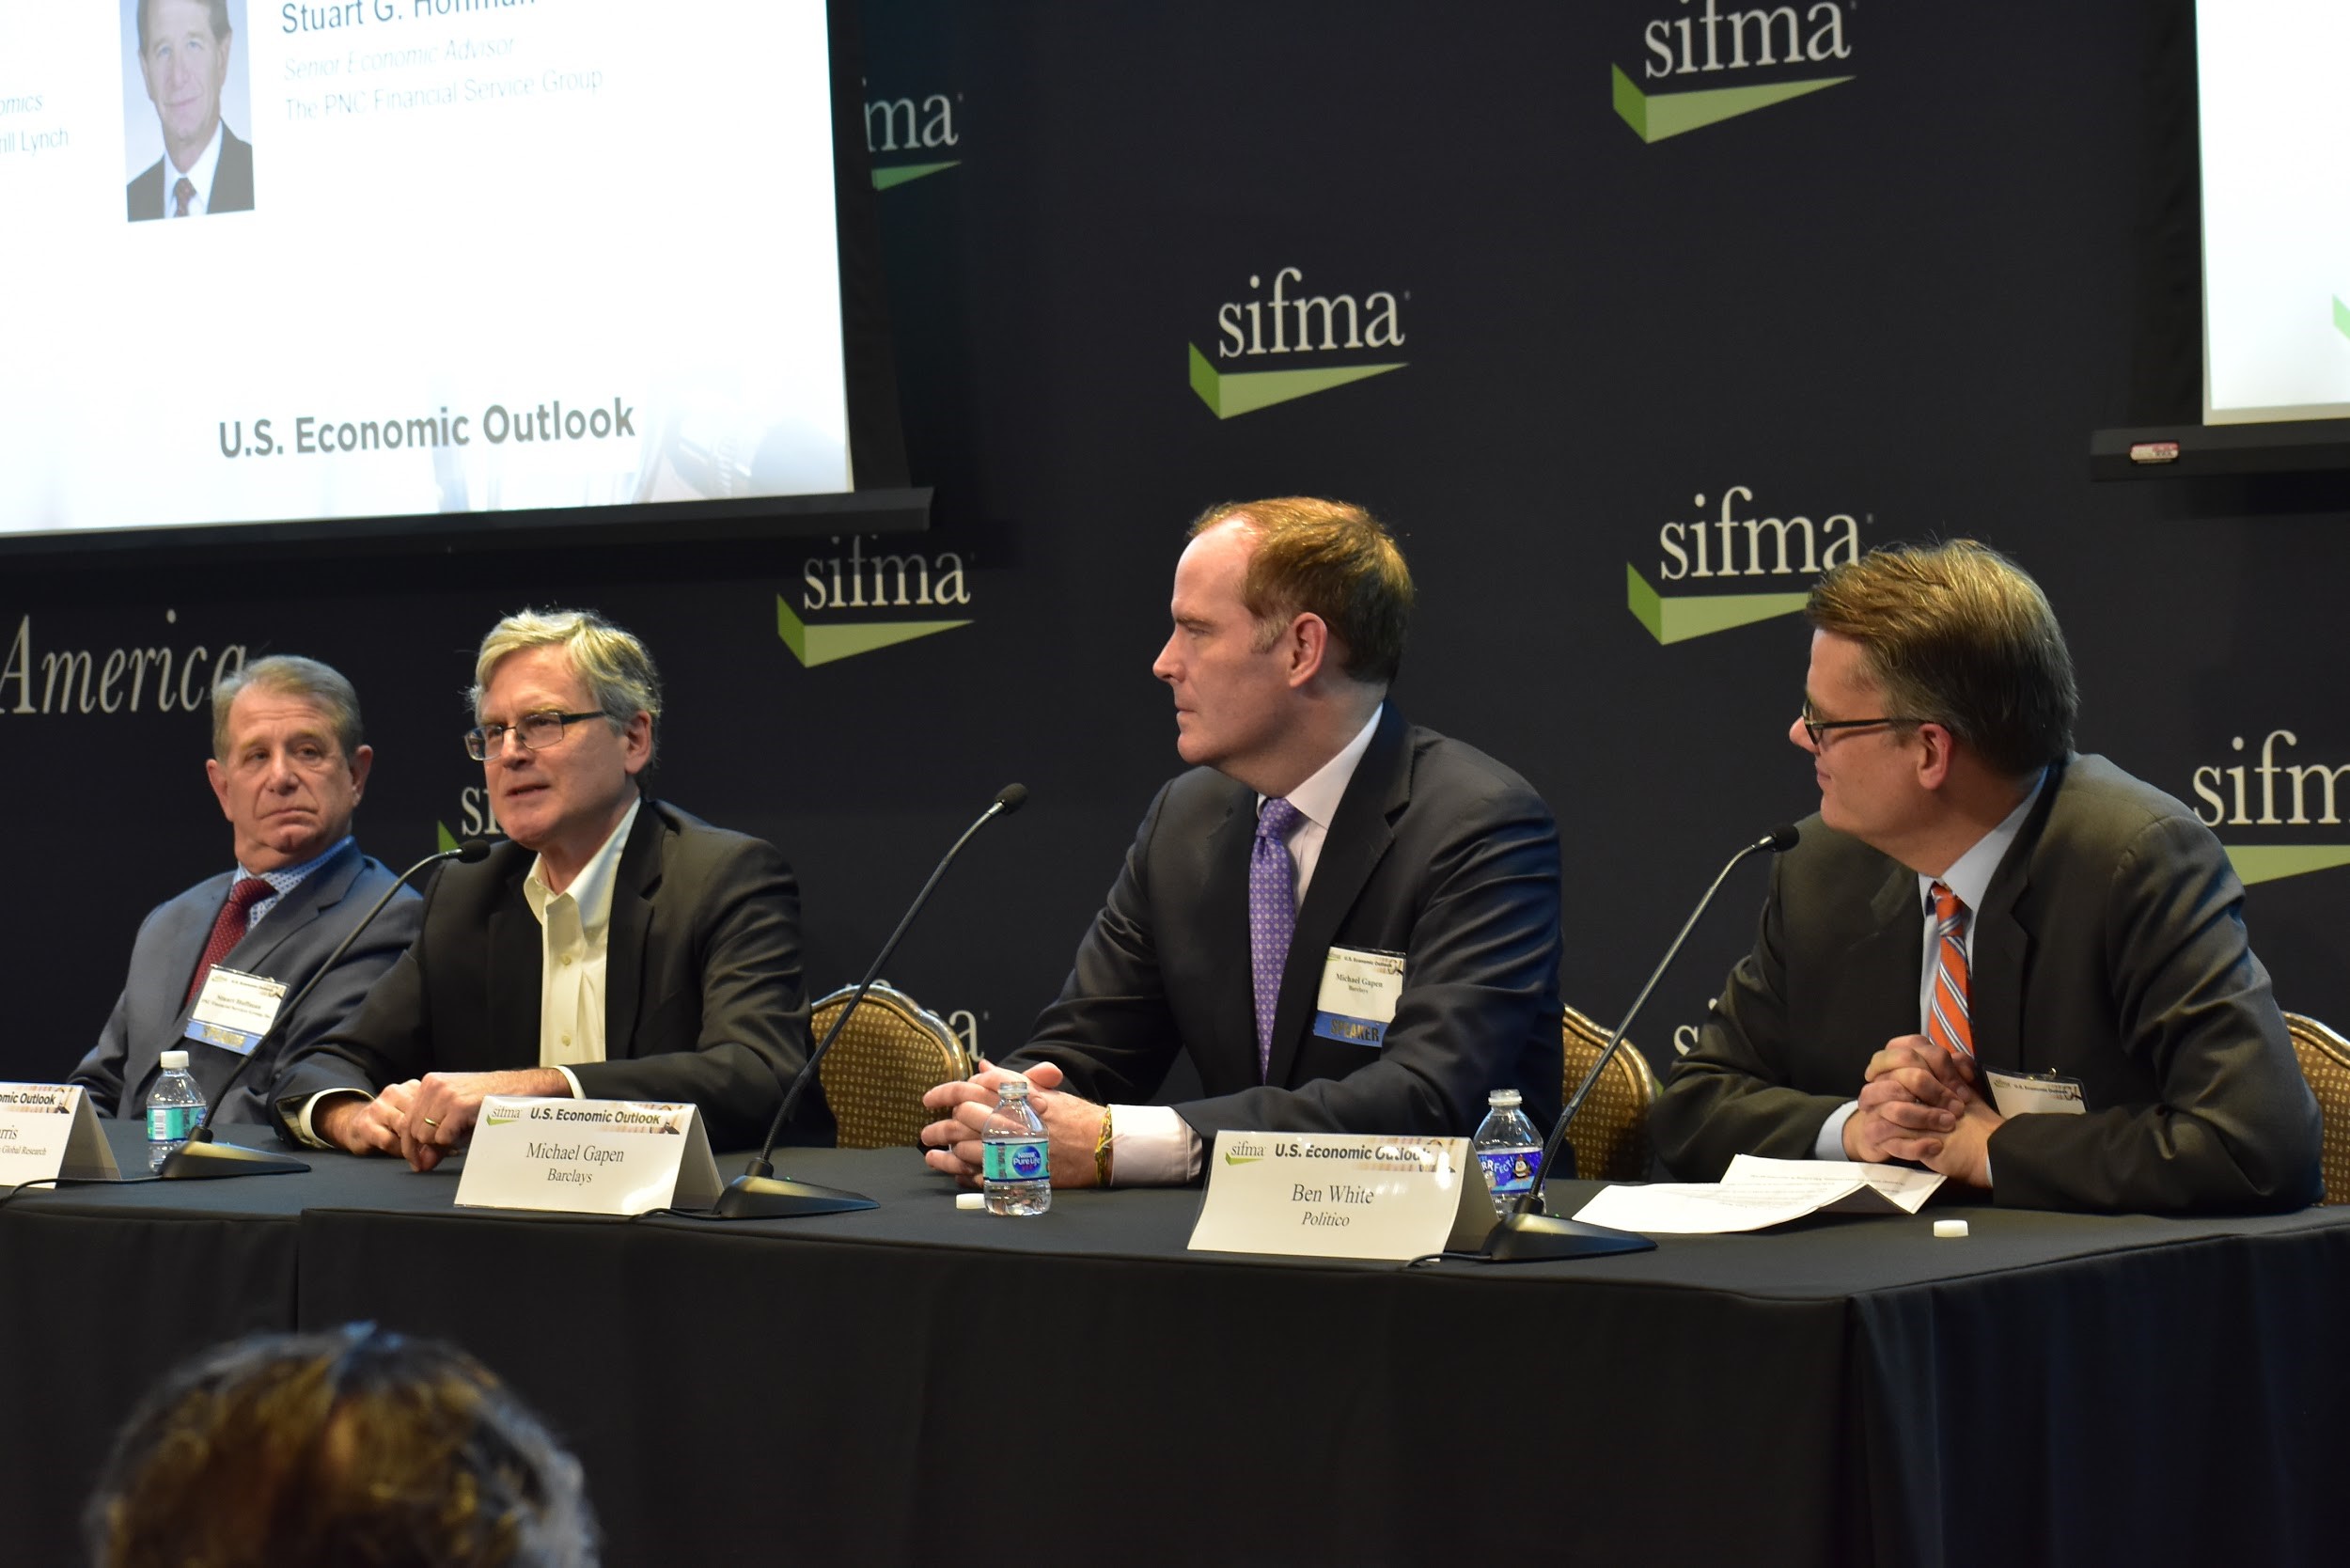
(616, 949)
(1320, 850)
(2019, 966)
(287, 767)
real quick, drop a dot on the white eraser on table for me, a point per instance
(1949, 1227)
(970, 1200)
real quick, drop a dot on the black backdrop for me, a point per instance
(1894, 306)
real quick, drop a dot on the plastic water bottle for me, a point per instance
(174, 1107)
(1509, 1148)
(1016, 1171)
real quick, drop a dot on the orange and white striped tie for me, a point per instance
(1947, 1021)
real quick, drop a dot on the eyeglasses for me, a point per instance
(537, 732)
(1818, 729)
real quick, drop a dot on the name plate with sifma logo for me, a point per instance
(1326, 1195)
(588, 1157)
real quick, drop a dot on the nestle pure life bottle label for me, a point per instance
(1012, 1160)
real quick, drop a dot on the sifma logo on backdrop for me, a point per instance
(1726, 550)
(863, 585)
(914, 129)
(1681, 52)
(1284, 317)
(2270, 787)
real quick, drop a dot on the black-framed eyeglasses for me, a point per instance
(1818, 729)
(537, 732)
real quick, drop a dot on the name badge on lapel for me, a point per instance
(1360, 990)
(2036, 1094)
(234, 1010)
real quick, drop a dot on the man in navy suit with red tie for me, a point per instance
(289, 767)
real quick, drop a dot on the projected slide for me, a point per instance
(2276, 154)
(286, 263)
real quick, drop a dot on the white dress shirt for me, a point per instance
(201, 175)
(574, 934)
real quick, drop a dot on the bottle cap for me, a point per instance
(1502, 1099)
(1014, 1088)
(1948, 1228)
(970, 1200)
(175, 1059)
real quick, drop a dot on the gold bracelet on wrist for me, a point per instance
(1102, 1151)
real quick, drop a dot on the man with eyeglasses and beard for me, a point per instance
(615, 949)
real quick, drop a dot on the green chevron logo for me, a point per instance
(2342, 317)
(1230, 394)
(447, 839)
(1679, 617)
(2272, 862)
(823, 645)
(1654, 116)
(906, 173)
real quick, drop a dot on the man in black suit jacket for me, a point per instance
(288, 768)
(183, 58)
(623, 948)
(1412, 849)
(1980, 924)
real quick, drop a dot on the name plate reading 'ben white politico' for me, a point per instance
(49, 1131)
(1328, 1195)
(588, 1157)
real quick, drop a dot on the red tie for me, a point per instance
(229, 929)
(185, 191)
(1946, 1023)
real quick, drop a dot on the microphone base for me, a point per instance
(780, 1198)
(194, 1161)
(1541, 1238)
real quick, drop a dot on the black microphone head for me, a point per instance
(477, 848)
(1011, 798)
(1782, 838)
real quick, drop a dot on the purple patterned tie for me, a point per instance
(1272, 916)
(185, 192)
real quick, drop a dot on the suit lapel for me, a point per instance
(322, 890)
(2003, 941)
(516, 953)
(1224, 886)
(1351, 851)
(1893, 948)
(633, 884)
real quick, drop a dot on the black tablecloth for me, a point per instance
(880, 1387)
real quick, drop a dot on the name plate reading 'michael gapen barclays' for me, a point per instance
(1342, 1195)
(588, 1157)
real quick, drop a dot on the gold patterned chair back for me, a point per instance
(891, 1054)
(1610, 1133)
(2325, 1062)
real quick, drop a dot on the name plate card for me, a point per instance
(1324, 1194)
(588, 1157)
(48, 1131)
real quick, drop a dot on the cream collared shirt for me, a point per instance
(201, 175)
(1151, 1145)
(574, 934)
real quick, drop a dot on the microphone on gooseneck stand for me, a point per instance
(1526, 1234)
(758, 1193)
(200, 1157)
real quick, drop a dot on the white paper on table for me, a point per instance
(1755, 1194)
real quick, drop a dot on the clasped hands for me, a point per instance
(425, 1120)
(1918, 1102)
(953, 1144)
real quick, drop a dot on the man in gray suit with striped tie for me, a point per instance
(289, 767)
